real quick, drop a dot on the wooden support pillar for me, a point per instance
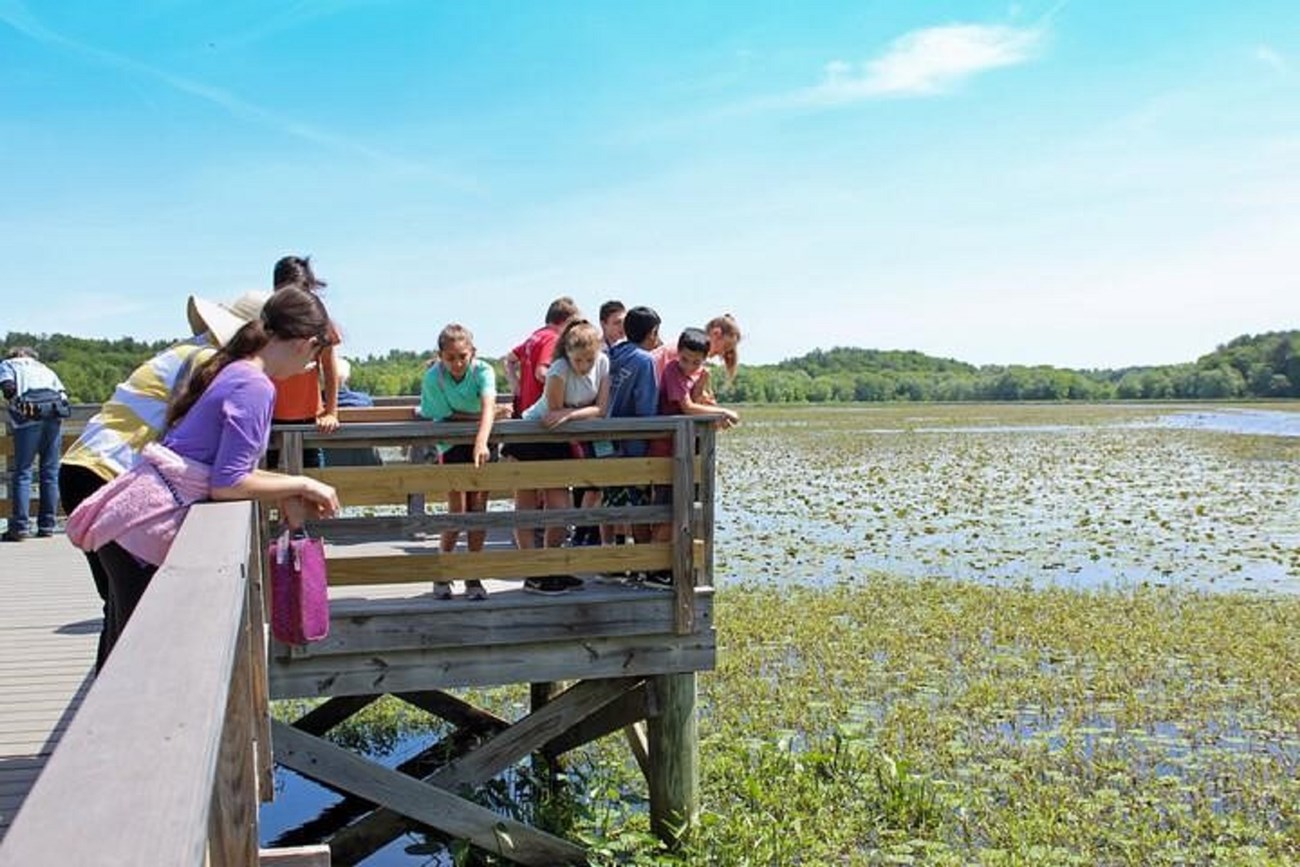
(674, 757)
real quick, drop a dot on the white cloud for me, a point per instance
(1269, 56)
(926, 62)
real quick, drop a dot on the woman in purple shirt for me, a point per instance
(218, 428)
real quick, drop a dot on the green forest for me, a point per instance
(1250, 366)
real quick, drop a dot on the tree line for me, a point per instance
(1250, 366)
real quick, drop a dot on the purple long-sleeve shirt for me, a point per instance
(228, 427)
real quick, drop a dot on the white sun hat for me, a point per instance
(223, 320)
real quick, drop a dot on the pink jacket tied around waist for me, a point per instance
(142, 509)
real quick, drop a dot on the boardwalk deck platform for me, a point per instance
(49, 624)
(608, 659)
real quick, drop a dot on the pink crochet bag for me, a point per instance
(300, 606)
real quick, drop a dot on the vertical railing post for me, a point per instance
(707, 491)
(682, 524)
(258, 610)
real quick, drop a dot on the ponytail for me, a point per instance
(248, 340)
(590, 336)
(288, 314)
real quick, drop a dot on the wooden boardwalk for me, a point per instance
(49, 625)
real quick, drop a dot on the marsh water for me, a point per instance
(1082, 496)
(1069, 495)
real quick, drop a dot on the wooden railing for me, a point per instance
(688, 472)
(165, 760)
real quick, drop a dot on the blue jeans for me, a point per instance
(33, 441)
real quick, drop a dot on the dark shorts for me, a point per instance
(464, 454)
(626, 495)
(538, 451)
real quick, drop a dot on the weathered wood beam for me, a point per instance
(430, 805)
(296, 856)
(568, 708)
(621, 712)
(674, 757)
(456, 711)
(441, 668)
(506, 563)
(324, 717)
(501, 619)
(369, 486)
(345, 530)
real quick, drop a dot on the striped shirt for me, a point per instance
(136, 414)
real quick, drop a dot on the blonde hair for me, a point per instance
(727, 327)
(578, 334)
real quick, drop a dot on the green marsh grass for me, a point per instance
(1046, 670)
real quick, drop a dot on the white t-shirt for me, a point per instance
(579, 391)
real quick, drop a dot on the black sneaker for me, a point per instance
(552, 585)
(662, 579)
(44, 534)
(12, 536)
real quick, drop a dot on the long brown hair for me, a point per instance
(727, 327)
(289, 313)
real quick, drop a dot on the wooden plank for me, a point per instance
(433, 624)
(295, 856)
(490, 759)
(436, 808)
(324, 717)
(456, 711)
(371, 486)
(415, 670)
(336, 530)
(154, 737)
(463, 565)
(623, 711)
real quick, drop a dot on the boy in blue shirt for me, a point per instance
(634, 393)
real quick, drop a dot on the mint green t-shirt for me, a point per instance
(440, 395)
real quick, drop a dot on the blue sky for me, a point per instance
(1088, 183)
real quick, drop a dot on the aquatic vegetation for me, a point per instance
(976, 635)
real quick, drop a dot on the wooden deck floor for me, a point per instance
(49, 624)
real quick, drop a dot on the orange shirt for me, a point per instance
(298, 398)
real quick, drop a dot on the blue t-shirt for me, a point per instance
(230, 425)
(633, 390)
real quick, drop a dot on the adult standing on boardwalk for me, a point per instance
(38, 403)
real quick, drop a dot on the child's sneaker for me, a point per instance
(441, 589)
(662, 579)
(552, 585)
(475, 591)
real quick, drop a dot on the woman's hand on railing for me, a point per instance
(320, 497)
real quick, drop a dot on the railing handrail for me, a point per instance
(144, 773)
(505, 430)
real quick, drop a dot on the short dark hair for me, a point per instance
(694, 340)
(296, 271)
(562, 309)
(609, 308)
(639, 323)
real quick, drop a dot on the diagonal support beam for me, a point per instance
(437, 808)
(570, 707)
